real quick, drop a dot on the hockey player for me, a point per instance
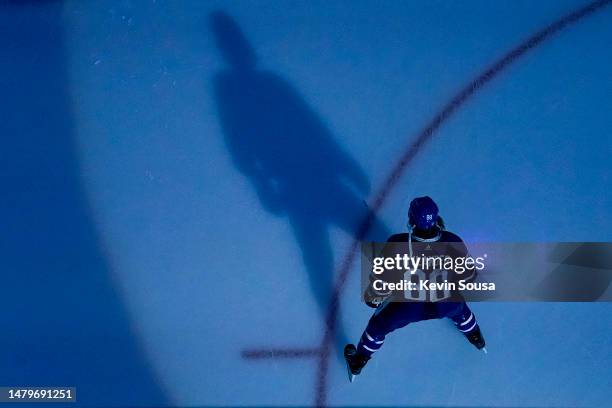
(425, 227)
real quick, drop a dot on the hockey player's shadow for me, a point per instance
(297, 168)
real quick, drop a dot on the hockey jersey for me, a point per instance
(435, 267)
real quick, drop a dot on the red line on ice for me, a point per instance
(459, 99)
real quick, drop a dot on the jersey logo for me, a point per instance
(429, 217)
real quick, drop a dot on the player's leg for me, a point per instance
(465, 320)
(388, 317)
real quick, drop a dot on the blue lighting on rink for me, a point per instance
(181, 181)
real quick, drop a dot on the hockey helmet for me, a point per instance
(423, 213)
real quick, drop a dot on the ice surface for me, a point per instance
(224, 195)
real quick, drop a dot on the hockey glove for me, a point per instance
(373, 299)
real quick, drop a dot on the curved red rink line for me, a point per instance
(423, 137)
(458, 100)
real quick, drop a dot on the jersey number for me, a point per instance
(423, 295)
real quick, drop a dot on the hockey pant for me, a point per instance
(394, 315)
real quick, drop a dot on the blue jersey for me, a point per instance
(442, 244)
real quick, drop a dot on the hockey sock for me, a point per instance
(368, 344)
(466, 323)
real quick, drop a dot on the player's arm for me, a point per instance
(374, 296)
(458, 249)
(469, 275)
